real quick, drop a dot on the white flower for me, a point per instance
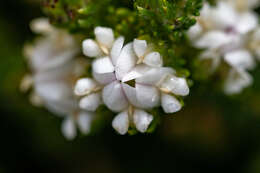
(127, 79)
(215, 19)
(223, 31)
(55, 68)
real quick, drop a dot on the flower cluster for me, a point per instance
(128, 79)
(225, 32)
(54, 70)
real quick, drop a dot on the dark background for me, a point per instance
(214, 133)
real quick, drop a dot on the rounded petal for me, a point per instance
(113, 97)
(170, 104)
(41, 26)
(61, 107)
(140, 47)
(121, 123)
(130, 93)
(194, 32)
(237, 80)
(154, 75)
(224, 15)
(176, 85)
(104, 36)
(104, 78)
(53, 91)
(90, 102)
(103, 65)
(91, 48)
(116, 49)
(153, 59)
(147, 96)
(137, 72)
(142, 120)
(213, 39)
(68, 129)
(240, 59)
(84, 86)
(247, 22)
(84, 122)
(126, 61)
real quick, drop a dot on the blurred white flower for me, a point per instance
(223, 31)
(128, 79)
(223, 19)
(54, 70)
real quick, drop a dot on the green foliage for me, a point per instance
(161, 22)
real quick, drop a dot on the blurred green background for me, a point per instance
(213, 133)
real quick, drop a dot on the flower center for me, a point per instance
(130, 83)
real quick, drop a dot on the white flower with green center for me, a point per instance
(128, 79)
(223, 30)
(55, 68)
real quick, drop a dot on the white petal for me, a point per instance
(84, 86)
(104, 78)
(53, 91)
(121, 123)
(103, 65)
(126, 61)
(91, 48)
(68, 129)
(142, 120)
(237, 80)
(170, 104)
(58, 60)
(247, 22)
(61, 107)
(224, 15)
(41, 26)
(116, 49)
(84, 122)
(104, 36)
(147, 96)
(137, 72)
(90, 102)
(154, 75)
(240, 59)
(194, 32)
(130, 93)
(176, 85)
(113, 97)
(140, 47)
(213, 39)
(153, 59)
